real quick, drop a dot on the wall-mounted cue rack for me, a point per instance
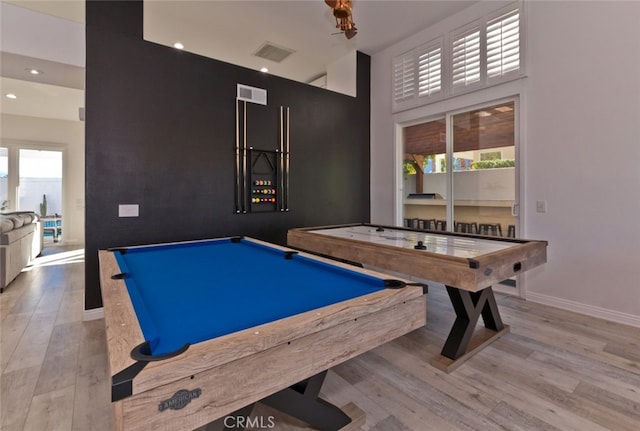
(262, 175)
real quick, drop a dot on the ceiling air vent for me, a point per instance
(273, 52)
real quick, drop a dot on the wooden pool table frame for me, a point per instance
(238, 369)
(468, 280)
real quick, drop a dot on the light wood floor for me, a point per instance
(555, 370)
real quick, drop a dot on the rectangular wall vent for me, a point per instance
(273, 52)
(252, 94)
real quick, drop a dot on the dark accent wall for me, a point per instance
(160, 132)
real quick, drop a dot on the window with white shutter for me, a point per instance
(404, 79)
(503, 44)
(417, 75)
(484, 52)
(430, 71)
(466, 58)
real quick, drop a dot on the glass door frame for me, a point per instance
(13, 175)
(448, 115)
(13, 181)
(515, 210)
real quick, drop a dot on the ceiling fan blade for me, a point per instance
(351, 32)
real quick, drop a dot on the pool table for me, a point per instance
(468, 265)
(199, 330)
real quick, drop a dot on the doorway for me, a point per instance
(31, 180)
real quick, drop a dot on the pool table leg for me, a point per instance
(469, 306)
(301, 401)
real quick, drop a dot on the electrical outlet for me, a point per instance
(541, 206)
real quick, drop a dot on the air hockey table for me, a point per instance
(468, 265)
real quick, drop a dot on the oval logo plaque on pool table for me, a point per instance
(179, 400)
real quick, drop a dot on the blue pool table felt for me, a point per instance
(192, 292)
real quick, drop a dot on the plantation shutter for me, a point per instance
(503, 44)
(466, 58)
(404, 80)
(485, 52)
(430, 72)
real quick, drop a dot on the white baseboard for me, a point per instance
(589, 310)
(93, 314)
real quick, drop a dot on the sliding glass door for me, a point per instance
(483, 166)
(40, 189)
(425, 175)
(31, 180)
(460, 173)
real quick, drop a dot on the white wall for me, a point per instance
(38, 35)
(55, 134)
(582, 152)
(341, 75)
(579, 150)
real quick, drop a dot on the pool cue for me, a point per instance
(286, 169)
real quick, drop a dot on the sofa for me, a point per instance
(21, 240)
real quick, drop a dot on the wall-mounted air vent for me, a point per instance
(273, 52)
(252, 94)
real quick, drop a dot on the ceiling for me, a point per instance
(231, 31)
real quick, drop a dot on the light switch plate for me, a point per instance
(541, 206)
(128, 210)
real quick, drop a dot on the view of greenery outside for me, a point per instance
(492, 164)
(486, 163)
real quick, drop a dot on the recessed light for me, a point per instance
(178, 45)
(34, 71)
(11, 96)
(264, 69)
